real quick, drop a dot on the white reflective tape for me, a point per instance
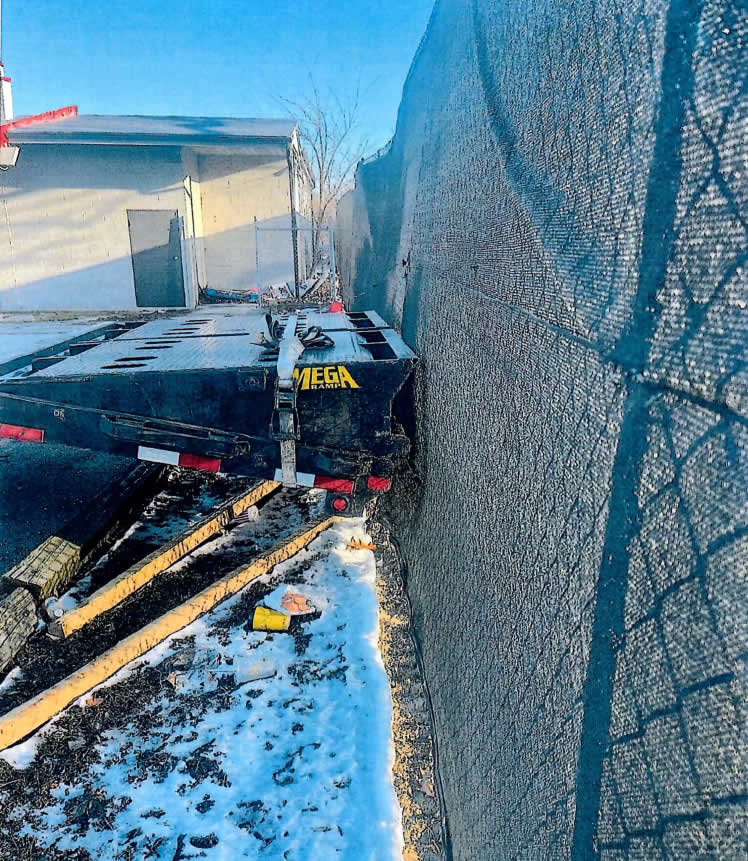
(158, 455)
(288, 462)
(303, 479)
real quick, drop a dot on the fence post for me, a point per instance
(333, 268)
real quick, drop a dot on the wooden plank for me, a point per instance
(28, 717)
(138, 575)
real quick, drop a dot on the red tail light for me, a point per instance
(21, 433)
(337, 485)
(380, 485)
(339, 503)
(194, 461)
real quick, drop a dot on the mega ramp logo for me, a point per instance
(326, 377)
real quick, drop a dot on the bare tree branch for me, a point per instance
(328, 129)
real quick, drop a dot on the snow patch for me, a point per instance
(295, 766)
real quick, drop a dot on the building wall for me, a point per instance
(64, 238)
(236, 189)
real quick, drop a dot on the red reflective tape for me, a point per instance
(380, 485)
(21, 433)
(7, 80)
(338, 485)
(194, 461)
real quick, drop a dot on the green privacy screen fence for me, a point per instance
(559, 228)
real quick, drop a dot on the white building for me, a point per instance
(120, 212)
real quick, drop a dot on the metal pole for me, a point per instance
(291, 162)
(6, 100)
(257, 260)
(333, 270)
(2, 106)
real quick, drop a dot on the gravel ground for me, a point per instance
(415, 778)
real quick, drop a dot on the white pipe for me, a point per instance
(6, 101)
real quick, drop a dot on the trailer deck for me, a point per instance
(207, 390)
(228, 337)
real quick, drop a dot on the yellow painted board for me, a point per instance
(138, 575)
(28, 717)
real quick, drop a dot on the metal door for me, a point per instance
(155, 242)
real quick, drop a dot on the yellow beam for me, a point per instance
(116, 590)
(28, 717)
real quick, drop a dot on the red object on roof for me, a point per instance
(47, 116)
(336, 307)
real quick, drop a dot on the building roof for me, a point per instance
(153, 131)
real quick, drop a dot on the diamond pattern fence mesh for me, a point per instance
(559, 228)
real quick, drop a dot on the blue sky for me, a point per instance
(209, 57)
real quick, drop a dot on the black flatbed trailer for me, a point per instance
(203, 390)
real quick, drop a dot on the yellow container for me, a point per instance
(270, 620)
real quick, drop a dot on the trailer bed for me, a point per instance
(200, 390)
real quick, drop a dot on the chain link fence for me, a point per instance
(559, 228)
